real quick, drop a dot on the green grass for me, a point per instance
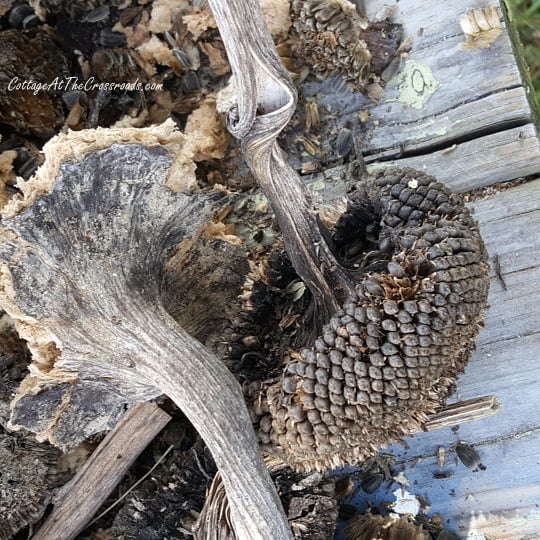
(526, 18)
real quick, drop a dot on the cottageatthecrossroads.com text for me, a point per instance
(73, 83)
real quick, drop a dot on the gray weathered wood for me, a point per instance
(479, 103)
(79, 499)
(478, 91)
(481, 162)
(470, 165)
(502, 501)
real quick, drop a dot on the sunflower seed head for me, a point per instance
(389, 356)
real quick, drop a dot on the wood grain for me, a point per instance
(470, 165)
(79, 500)
(481, 162)
(479, 102)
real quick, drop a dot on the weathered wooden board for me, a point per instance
(443, 96)
(502, 502)
(470, 165)
(473, 91)
(480, 162)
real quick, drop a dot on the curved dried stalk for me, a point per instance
(266, 102)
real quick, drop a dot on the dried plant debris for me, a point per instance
(481, 27)
(441, 456)
(154, 155)
(309, 500)
(392, 353)
(375, 472)
(108, 64)
(333, 38)
(29, 470)
(167, 504)
(370, 526)
(312, 517)
(206, 132)
(201, 285)
(30, 55)
(469, 456)
(344, 488)
(7, 173)
(14, 361)
(27, 483)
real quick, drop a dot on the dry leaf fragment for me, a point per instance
(223, 231)
(216, 57)
(288, 321)
(198, 21)
(205, 130)
(481, 28)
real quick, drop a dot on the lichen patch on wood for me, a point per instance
(416, 84)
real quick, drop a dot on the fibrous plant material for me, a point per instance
(28, 470)
(333, 38)
(82, 257)
(166, 504)
(370, 526)
(277, 16)
(266, 102)
(29, 475)
(309, 500)
(389, 356)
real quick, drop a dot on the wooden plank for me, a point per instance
(474, 99)
(503, 501)
(473, 503)
(478, 90)
(470, 165)
(481, 162)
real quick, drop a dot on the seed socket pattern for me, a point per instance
(388, 357)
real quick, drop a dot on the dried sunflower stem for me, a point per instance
(266, 102)
(114, 334)
(462, 412)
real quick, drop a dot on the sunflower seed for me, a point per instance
(469, 456)
(344, 142)
(97, 15)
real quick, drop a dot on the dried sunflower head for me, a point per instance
(333, 38)
(390, 355)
